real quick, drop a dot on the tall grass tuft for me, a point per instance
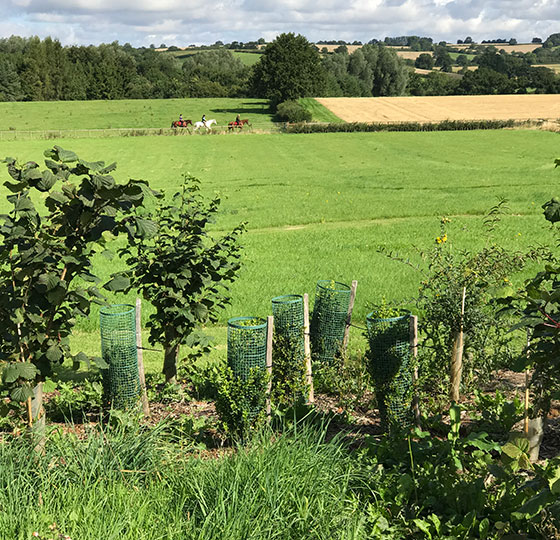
(130, 484)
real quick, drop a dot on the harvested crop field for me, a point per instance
(439, 108)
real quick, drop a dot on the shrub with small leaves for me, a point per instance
(240, 403)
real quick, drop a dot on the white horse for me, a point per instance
(206, 124)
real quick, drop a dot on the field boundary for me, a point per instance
(547, 124)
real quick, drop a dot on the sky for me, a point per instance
(186, 22)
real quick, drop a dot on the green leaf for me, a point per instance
(484, 528)
(23, 204)
(145, 228)
(511, 451)
(552, 210)
(48, 281)
(54, 353)
(19, 370)
(423, 526)
(49, 386)
(66, 156)
(99, 362)
(534, 505)
(47, 181)
(21, 393)
(118, 283)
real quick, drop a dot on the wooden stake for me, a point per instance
(526, 418)
(269, 335)
(143, 393)
(349, 316)
(29, 413)
(414, 351)
(307, 349)
(457, 357)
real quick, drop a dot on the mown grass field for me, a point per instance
(132, 113)
(319, 206)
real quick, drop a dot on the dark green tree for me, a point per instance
(290, 68)
(424, 61)
(10, 87)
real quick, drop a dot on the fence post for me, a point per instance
(143, 393)
(349, 317)
(269, 330)
(307, 349)
(414, 347)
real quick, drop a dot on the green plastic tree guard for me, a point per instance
(389, 364)
(246, 345)
(121, 379)
(328, 321)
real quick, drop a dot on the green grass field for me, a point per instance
(133, 113)
(319, 206)
(248, 58)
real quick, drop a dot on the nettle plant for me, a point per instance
(60, 218)
(183, 271)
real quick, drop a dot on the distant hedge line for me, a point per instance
(446, 125)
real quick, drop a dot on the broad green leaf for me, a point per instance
(118, 283)
(48, 281)
(66, 156)
(54, 353)
(21, 393)
(423, 526)
(49, 386)
(145, 228)
(19, 370)
(47, 181)
(552, 210)
(99, 362)
(511, 451)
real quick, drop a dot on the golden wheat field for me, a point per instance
(438, 108)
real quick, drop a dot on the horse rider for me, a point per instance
(204, 120)
(237, 120)
(181, 119)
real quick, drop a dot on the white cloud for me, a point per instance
(182, 22)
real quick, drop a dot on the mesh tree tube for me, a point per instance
(328, 320)
(121, 381)
(389, 364)
(246, 345)
(288, 366)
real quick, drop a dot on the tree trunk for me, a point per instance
(457, 357)
(535, 435)
(456, 367)
(38, 416)
(170, 363)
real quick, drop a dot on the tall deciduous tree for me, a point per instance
(290, 68)
(44, 249)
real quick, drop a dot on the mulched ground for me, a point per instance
(355, 424)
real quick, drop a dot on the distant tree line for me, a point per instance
(290, 67)
(32, 69)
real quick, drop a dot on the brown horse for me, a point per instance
(179, 123)
(239, 125)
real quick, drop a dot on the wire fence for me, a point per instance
(22, 135)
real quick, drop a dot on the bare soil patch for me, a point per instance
(439, 108)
